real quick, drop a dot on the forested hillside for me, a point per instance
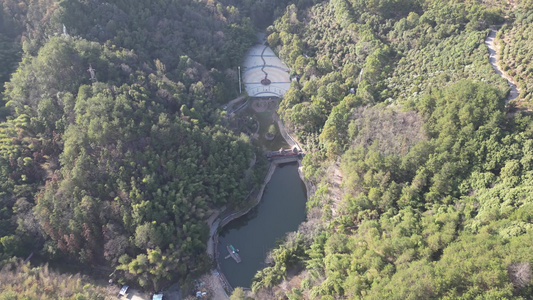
(423, 181)
(120, 170)
(114, 152)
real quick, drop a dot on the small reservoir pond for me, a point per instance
(281, 210)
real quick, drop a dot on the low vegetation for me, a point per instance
(18, 280)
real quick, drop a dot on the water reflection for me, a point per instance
(281, 210)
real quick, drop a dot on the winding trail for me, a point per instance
(495, 62)
(264, 62)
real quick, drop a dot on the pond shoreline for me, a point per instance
(216, 223)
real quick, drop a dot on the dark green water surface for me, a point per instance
(281, 210)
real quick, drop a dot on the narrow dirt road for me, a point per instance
(494, 61)
(216, 288)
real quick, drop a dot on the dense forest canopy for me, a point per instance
(120, 169)
(422, 174)
(423, 179)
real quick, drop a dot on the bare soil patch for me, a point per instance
(263, 105)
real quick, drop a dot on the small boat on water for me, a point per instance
(234, 253)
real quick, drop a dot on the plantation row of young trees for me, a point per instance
(423, 182)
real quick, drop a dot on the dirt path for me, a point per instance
(214, 283)
(217, 288)
(213, 222)
(232, 102)
(230, 106)
(288, 138)
(495, 62)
